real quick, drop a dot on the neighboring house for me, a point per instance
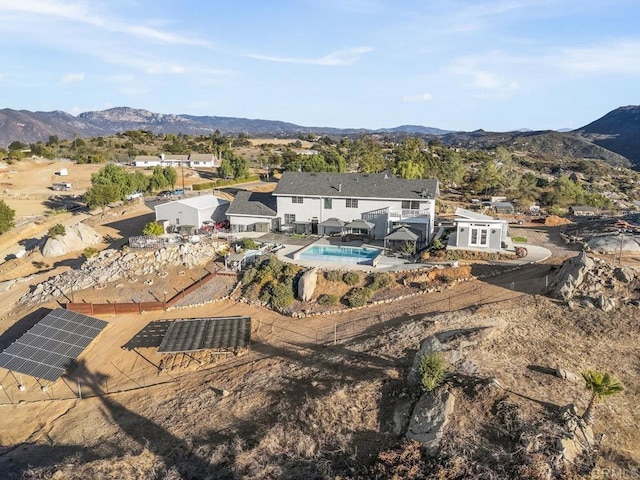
(193, 160)
(503, 207)
(474, 230)
(305, 200)
(253, 212)
(582, 211)
(192, 212)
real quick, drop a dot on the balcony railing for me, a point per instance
(408, 213)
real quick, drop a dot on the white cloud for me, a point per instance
(80, 13)
(337, 58)
(163, 68)
(72, 77)
(615, 57)
(423, 97)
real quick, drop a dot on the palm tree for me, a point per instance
(600, 385)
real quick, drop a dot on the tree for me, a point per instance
(101, 195)
(158, 181)
(432, 369)
(153, 229)
(225, 170)
(171, 176)
(7, 217)
(600, 385)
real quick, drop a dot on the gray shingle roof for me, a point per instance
(354, 185)
(253, 203)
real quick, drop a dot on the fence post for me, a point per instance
(546, 281)
(335, 333)
(91, 307)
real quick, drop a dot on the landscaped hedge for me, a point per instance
(271, 281)
(351, 278)
(224, 183)
(358, 297)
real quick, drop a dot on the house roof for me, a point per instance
(171, 156)
(201, 157)
(333, 222)
(147, 158)
(468, 214)
(355, 185)
(403, 234)
(582, 208)
(360, 223)
(257, 204)
(501, 204)
(200, 203)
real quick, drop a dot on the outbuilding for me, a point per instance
(253, 212)
(477, 231)
(194, 211)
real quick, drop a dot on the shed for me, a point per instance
(582, 211)
(475, 230)
(192, 211)
(253, 212)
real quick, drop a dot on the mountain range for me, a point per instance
(614, 138)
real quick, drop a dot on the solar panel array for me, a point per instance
(206, 333)
(48, 348)
(150, 336)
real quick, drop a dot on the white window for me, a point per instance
(328, 203)
(289, 218)
(351, 203)
(297, 199)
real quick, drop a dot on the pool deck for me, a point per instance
(384, 263)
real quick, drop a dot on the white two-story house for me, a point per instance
(306, 201)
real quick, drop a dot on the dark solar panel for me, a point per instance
(150, 336)
(51, 345)
(206, 333)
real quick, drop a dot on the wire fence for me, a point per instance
(291, 339)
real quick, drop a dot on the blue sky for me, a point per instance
(452, 64)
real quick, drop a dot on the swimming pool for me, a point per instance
(338, 254)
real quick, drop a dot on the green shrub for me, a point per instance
(351, 278)
(333, 276)
(328, 299)
(89, 252)
(251, 291)
(57, 230)
(203, 186)
(437, 244)
(380, 280)
(281, 295)
(248, 244)
(265, 293)
(153, 229)
(519, 239)
(432, 370)
(358, 296)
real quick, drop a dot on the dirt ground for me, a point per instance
(326, 372)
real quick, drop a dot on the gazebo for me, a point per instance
(397, 239)
(359, 227)
(332, 226)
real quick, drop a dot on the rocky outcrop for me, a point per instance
(612, 244)
(114, 265)
(77, 237)
(571, 275)
(578, 439)
(307, 284)
(429, 345)
(430, 417)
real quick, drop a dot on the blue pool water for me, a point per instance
(330, 253)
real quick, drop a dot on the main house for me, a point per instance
(372, 203)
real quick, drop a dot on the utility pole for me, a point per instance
(182, 179)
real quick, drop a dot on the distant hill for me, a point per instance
(29, 127)
(548, 143)
(615, 138)
(618, 131)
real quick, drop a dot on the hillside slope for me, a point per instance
(618, 131)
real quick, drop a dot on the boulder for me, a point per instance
(612, 244)
(623, 274)
(402, 415)
(77, 237)
(567, 375)
(430, 417)
(307, 284)
(571, 276)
